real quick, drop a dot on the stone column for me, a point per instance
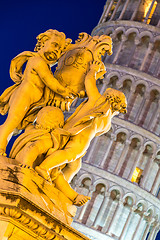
(156, 71)
(155, 180)
(135, 11)
(103, 14)
(132, 98)
(155, 230)
(142, 115)
(149, 11)
(149, 50)
(153, 120)
(124, 38)
(122, 157)
(123, 10)
(146, 231)
(147, 170)
(155, 233)
(115, 10)
(132, 90)
(122, 235)
(112, 139)
(93, 145)
(108, 10)
(82, 212)
(120, 203)
(137, 42)
(137, 159)
(101, 210)
(149, 220)
(109, 208)
(152, 233)
(142, 107)
(137, 227)
(156, 123)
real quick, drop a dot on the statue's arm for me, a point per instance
(90, 81)
(48, 79)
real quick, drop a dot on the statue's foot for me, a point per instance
(2, 152)
(80, 200)
(43, 173)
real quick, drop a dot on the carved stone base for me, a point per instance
(31, 208)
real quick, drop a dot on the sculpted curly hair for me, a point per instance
(43, 37)
(117, 100)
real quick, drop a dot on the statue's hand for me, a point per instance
(68, 93)
(95, 66)
(98, 68)
(102, 71)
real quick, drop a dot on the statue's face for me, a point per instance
(53, 48)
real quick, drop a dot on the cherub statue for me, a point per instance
(35, 86)
(31, 147)
(92, 118)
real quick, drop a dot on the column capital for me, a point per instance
(124, 38)
(142, 148)
(107, 194)
(137, 41)
(150, 47)
(113, 35)
(134, 208)
(113, 137)
(128, 142)
(91, 189)
(147, 94)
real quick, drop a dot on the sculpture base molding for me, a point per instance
(31, 208)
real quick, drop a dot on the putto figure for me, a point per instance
(32, 146)
(37, 87)
(68, 145)
(92, 118)
(33, 88)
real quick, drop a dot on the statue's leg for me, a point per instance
(64, 187)
(74, 149)
(28, 154)
(71, 169)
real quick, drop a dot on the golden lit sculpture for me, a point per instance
(67, 146)
(37, 87)
(32, 88)
(31, 147)
(92, 118)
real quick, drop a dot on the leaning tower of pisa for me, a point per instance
(121, 170)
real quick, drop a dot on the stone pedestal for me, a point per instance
(31, 208)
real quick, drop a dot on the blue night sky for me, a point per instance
(21, 21)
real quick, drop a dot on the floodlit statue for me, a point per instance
(37, 87)
(31, 147)
(32, 88)
(92, 118)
